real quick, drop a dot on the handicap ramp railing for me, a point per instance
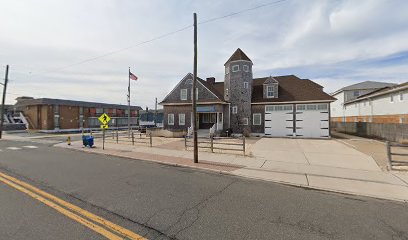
(397, 155)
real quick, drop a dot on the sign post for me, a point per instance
(104, 119)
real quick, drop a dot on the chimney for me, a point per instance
(211, 80)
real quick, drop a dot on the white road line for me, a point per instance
(30, 147)
(13, 148)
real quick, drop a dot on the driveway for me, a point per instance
(312, 152)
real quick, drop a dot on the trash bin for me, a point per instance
(84, 140)
(90, 140)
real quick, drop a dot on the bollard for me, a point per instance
(69, 140)
(133, 139)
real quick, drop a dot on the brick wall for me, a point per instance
(374, 119)
(69, 117)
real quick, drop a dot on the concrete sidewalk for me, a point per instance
(319, 164)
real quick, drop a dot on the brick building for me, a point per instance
(279, 106)
(58, 114)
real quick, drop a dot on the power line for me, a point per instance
(160, 37)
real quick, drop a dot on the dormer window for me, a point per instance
(245, 68)
(235, 68)
(270, 91)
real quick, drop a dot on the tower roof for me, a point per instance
(238, 55)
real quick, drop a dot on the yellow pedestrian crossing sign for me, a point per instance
(104, 119)
(104, 126)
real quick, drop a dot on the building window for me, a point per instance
(322, 106)
(235, 68)
(183, 94)
(270, 91)
(170, 119)
(234, 110)
(226, 70)
(391, 98)
(244, 121)
(401, 96)
(256, 119)
(245, 84)
(99, 110)
(356, 93)
(245, 68)
(226, 92)
(189, 81)
(182, 119)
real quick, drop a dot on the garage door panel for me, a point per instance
(279, 120)
(313, 122)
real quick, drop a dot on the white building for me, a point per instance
(349, 93)
(384, 105)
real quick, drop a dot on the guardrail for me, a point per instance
(116, 136)
(217, 143)
(391, 154)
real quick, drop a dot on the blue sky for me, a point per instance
(333, 42)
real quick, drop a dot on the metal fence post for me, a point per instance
(117, 135)
(243, 145)
(133, 138)
(212, 143)
(151, 140)
(389, 157)
(185, 142)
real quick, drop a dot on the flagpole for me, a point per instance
(129, 103)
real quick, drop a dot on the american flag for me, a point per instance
(132, 76)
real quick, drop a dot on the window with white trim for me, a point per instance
(226, 92)
(392, 98)
(234, 110)
(270, 91)
(244, 121)
(235, 68)
(256, 119)
(183, 94)
(356, 93)
(182, 119)
(245, 84)
(170, 119)
(245, 68)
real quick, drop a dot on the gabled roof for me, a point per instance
(291, 88)
(381, 91)
(238, 55)
(365, 85)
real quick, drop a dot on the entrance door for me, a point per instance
(279, 120)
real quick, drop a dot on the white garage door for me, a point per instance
(279, 120)
(312, 120)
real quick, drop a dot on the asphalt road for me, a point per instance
(166, 202)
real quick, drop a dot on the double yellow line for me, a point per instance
(98, 224)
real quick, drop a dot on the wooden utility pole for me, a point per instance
(194, 103)
(3, 102)
(128, 98)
